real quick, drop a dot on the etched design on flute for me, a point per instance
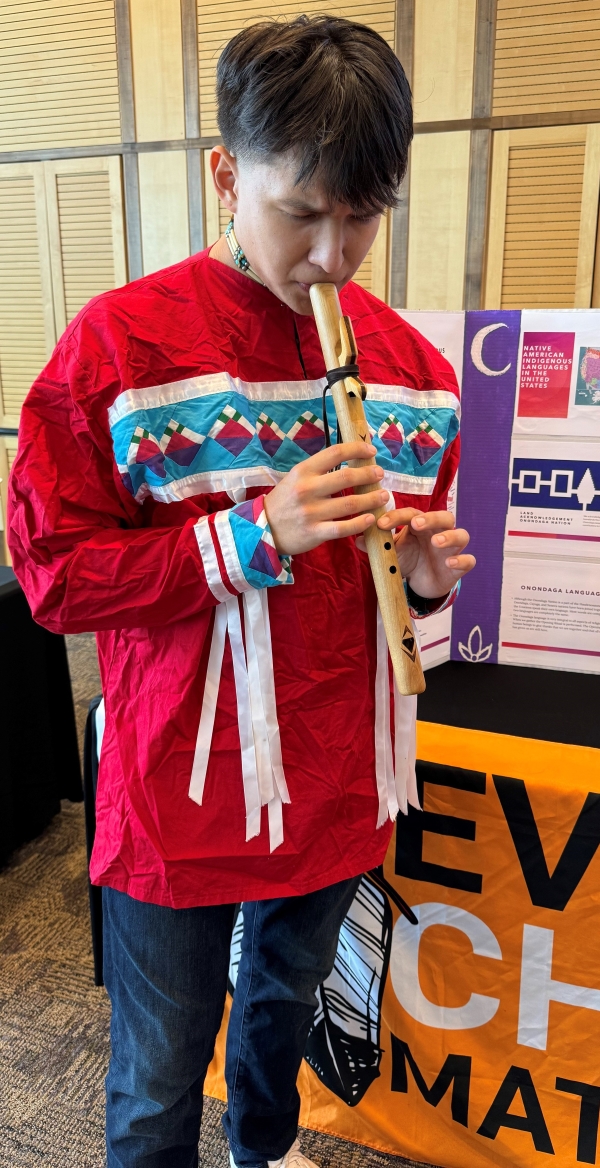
(409, 644)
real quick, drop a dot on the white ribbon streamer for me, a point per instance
(209, 706)
(396, 782)
(270, 704)
(384, 770)
(262, 767)
(252, 794)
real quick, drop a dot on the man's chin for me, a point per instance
(296, 298)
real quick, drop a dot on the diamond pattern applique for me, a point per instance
(424, 442)
(232, 431)
(308, 433)
(180, 444)
(269, 434)
(392, 435)
(144, 450)
(265, 557)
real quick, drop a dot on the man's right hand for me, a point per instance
(301, 510)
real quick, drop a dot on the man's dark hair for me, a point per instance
(331, 92)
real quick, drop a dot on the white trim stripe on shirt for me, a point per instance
(209, 559)
(153, 396)
(233, 566)
(234, 482)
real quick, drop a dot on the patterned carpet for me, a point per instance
(54, 1021)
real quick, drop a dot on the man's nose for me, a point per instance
(327, 251)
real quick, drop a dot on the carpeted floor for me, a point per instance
(54, 1021)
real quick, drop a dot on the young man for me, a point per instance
(171, 463)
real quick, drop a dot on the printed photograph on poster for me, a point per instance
(554, 498)
(558, 381)
(550, 614)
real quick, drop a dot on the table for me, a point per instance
(38, 738)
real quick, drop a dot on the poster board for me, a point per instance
(528, 488)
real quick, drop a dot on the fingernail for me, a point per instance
(452, 563)
(419, 521)
(439, 540)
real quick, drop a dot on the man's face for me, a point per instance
(293, 236)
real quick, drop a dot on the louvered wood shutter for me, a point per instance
(541, 240)
(218, 22)
(543, 217)
(85, 221)
(26, 324)
(547, 56)
(58, 74)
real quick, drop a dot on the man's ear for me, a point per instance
(224, 171)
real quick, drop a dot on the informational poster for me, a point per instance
(528, 488)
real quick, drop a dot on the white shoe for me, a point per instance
(292, 1159)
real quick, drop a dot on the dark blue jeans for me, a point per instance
(166, 975)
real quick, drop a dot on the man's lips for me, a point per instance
(307, 287)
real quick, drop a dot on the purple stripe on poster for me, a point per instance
(488, 399)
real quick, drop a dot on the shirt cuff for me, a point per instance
(238, 551)
(421, 606)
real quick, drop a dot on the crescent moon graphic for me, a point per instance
(477, 350)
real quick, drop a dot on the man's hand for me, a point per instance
(301, 510)
(429, 549)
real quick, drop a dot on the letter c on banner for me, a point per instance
(404, 967)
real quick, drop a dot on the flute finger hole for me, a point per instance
(393, 569)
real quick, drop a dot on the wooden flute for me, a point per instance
(339, 349)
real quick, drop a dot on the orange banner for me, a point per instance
(471, 1039)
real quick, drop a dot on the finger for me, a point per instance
(433, 521)
(400, 518)
(461, 564)
(343, 505)
(326, 459)
(457, 538)
(337, 529)
(346, 478)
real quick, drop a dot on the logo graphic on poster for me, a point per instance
(545, 375)
(477, 350)
(559, 484)
(474, 650)
(587, 392)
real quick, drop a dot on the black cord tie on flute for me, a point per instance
(333, 376)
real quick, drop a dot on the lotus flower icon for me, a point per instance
(474, 650)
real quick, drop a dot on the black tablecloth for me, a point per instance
(39, 757)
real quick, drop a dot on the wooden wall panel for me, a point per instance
(86, 232)
(8, 450)
(164, 209)
(443, 59)
(439, 184)
(543, 218)
(58, 74)
(547, 56)
(27, 331)
(219, 20)
(157, 59)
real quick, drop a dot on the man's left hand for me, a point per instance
(429, 549)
